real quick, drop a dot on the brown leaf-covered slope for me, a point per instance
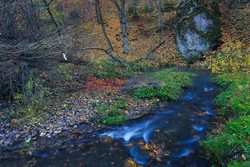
(143, 37)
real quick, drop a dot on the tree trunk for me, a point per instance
(64, 13)
(90, 9)
(160, 19)
(100, 20)
(123, 20)
(34, 12)
(50, 13)
(10, 10)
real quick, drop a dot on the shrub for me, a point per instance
(64, 72)
(31, 100)
(110, 69)
(59, 17)
(231, 58)
(141, 66)
(133, 12)
(32, 86)
(34, 97)
(147, 9)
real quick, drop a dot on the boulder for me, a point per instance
(198, 28)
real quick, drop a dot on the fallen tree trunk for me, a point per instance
(150, 53)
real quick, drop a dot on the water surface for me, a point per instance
(175, 127)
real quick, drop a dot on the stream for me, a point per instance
(175, 127)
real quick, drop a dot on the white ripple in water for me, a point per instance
(209, 111)
(142, 130)
(189, 96)
(189, 141)
(184, 153)
(197, 128)
(209, 89)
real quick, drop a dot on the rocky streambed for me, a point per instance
(74, 119)
(167, 136)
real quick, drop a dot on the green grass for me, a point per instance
(112, 69)
(109, 69)
(239, 164)
(166, 84)
(233, 103)
(234, 100)
(233, 139)
(113, 115)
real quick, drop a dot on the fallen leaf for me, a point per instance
(244, 157)
(130, 163)
(74, 132)
(146, 147)
(126, 112)
(14, 121)
(158, 152)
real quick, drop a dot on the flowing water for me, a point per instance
(175, 127)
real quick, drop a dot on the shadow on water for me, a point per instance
(177, 126)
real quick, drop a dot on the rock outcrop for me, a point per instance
(198, 28)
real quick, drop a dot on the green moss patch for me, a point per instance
(113, 115)
(165, 85)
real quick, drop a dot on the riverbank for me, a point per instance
(82, 114)
(167, 135)
(228, 142)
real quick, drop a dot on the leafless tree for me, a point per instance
(100, 20)
(121, 8)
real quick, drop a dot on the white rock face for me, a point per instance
(197, 29)
(201, 22)
(191, 44)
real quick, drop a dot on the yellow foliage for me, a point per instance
(232, 58)
(130, 163)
